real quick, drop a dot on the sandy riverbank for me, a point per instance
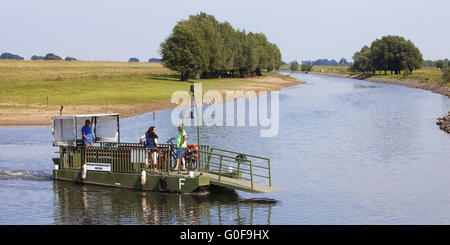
(38, 114)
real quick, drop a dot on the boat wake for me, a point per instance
(25, 175)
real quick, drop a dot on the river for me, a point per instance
(347, 152)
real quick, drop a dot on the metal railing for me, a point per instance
(259, 167)
(121, 159)
(134, 157)
(236, 165)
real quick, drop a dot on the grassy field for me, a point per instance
(31, 82)
(91, 83)
(139, 87)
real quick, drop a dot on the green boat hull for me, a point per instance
(179, 183)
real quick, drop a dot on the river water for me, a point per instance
(347, 152)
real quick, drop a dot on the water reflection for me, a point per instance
(89, 205)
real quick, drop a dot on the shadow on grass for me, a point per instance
(169, 78)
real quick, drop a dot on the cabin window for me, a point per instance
(106, 128)
(63, 133)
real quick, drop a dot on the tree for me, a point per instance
(229, 48)
(218, 49)
(250, 54)
(343, 62)
(154, 60)
(294, 66)
(70, 59)
(181, 51)
(133, 59)
(51, 56)
(395, 53)
(274, 61)
(379, 56)
(362, 60)
(306, 67)
(9, 56)
(391, 53)
(412, 58)
(244, 54)
(36, 57)
(440, 64)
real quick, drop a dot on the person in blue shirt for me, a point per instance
(87, 134)
(150, 137)
(151, 143)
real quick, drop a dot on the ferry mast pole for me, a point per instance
(192, 116)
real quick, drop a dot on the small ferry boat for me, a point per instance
(110, 162)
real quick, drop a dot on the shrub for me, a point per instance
(446, 75)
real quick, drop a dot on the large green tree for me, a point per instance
(215, 49)
(390, 53)
(181, 51)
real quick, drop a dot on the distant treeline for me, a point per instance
(390, 53)
(441, 64)
(151, 60)
(202, 47)
(9, 56)
(51, 56)
(326, 62)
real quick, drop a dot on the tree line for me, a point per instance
(203, 47)
(441, 64)
(390, 53)
(9, 56)
(52, 56)
(49, 56)
(326, 62)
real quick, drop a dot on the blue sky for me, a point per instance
(117, 30)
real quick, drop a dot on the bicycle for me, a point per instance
(190, 155)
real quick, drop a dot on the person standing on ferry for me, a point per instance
(181, 147)
(150, 137)
(86, 133)
(151, 142)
